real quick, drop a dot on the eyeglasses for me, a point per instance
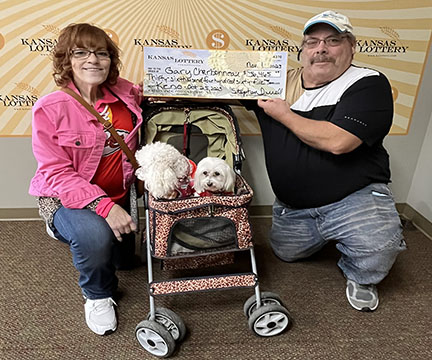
(85, 53)
(312, 43)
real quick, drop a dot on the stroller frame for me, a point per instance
(159, 333)
(253, 283)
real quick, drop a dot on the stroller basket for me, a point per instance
(190, 226)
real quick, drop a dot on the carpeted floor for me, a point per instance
(42, 311)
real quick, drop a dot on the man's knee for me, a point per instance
(292, 252)
(288, 258)
(370, 265)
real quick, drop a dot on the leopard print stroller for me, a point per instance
(197, 232)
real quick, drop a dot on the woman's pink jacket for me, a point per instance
(68, 143)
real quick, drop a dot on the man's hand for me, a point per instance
(276, 108)
(120, 221)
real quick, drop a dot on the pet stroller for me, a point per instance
(197, 232)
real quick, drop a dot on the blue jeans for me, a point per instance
(365, 225)
(93, 247)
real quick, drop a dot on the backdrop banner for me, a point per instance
(392, 36)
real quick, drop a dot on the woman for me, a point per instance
(83, 177)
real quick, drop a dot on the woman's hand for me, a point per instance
(160, 99)
(120, 221)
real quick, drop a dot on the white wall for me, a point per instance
(420, 194)
(18, 167)
(254, 170)
(405, 150)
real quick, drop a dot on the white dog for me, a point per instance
(164, 170)
(213, 176)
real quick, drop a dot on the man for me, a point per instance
(326, 161)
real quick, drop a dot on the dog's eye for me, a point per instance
(217, 173)
(205, 172)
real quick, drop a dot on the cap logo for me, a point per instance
(334, 16)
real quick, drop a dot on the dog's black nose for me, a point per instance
(209, 184)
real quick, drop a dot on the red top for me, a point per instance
(109, 174)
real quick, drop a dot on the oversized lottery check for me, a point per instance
(221, 74)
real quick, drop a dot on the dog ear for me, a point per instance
(197, 181)
(230, 179)
(145, 158)
(150, 181)
(158, 180)
(140, 173)
(168, 181)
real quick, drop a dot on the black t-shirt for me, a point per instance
(301, 176)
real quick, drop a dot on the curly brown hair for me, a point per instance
(82, 36)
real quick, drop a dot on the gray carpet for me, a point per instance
(43, 318)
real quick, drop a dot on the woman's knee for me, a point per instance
(93, 248)
(84, 230)
(95, 239)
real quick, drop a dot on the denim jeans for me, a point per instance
(365, 225)
(93, 247)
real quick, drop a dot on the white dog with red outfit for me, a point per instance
(165, 171)
(213, 176)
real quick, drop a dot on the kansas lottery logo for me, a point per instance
(20, 101)
(173, 43)
(17, 100)
(39, 45)
(392, 46)
(272, 45)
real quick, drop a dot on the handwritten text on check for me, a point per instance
(222, 74)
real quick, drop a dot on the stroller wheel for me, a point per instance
(171, 321)
(267, 297)
(154, 338)
(269, 320)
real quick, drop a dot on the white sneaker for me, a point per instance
(362, 297)
(100, 315)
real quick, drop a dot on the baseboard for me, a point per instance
(19, 214)
(405, 211)
(418, 220)
(260, 211)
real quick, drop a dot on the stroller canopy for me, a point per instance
(217, 124)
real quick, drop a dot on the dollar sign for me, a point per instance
(112, 35)
(395, 93)
(218, 40)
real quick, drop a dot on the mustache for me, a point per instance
(321, 58)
